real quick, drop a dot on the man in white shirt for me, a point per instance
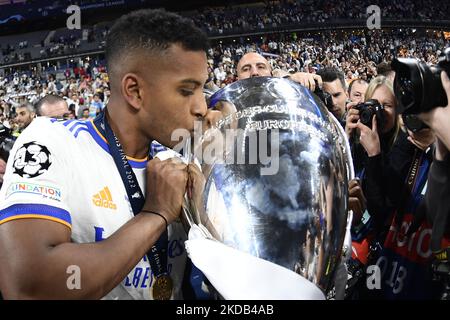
(65, 206)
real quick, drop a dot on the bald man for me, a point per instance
(253, 64)
(52, 106)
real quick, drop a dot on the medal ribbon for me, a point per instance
(157, 255)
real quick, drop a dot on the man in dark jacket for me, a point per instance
(438, 206)
(438, 190)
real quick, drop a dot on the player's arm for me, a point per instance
(308, 80)
(35, 254)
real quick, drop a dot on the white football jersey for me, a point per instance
(63, 172)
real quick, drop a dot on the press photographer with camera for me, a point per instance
(436, 205)
(424, 94)
(334, 88)
(413, 246)
(418, 240)
(391, 184)
(373, 127)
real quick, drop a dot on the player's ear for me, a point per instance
(132, 90)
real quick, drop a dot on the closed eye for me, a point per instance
(186, 93)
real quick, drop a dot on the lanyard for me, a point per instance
(157, 256)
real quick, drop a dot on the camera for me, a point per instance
(6, 142)
(369, 109)
(324, 96)
(417, 86)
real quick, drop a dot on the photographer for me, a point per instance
(436, 197)
(394, 171)
(334, 85)
(384, 164)
(404, 243)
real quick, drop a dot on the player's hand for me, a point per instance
(196, 184)
(307, 80)
(166, 186)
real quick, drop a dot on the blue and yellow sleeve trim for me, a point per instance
(36, 211)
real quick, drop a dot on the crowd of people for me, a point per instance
(57, 46)
(84, 88)
(356, 53)
(243, 19)
(284, 13)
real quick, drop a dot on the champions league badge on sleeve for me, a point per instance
(31, 160)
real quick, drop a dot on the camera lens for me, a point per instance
(413, 79)
(366, 117)
(406, 93)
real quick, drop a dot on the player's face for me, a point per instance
(253, 65)
(175, 98)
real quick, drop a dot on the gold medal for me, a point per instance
(162, 289)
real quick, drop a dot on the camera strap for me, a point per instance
(157, 256)
(413, 170)
(412, 198)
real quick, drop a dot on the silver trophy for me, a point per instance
(276, 166)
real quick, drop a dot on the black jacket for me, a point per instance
(384, 179)
(437, 201)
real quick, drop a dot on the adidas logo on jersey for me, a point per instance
(104, 199)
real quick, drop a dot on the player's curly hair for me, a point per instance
(154, 31)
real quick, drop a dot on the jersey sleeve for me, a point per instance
(37, 179)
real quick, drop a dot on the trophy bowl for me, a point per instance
(276, 166)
